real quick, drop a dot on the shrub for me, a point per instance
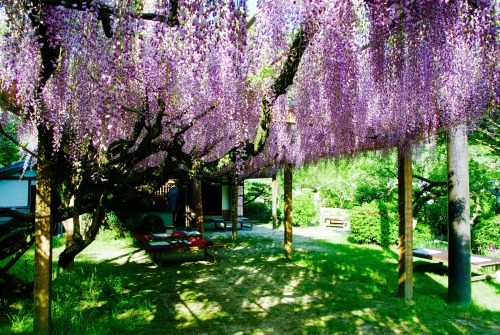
(336, 202)
(486, 236)
(256, 210)
(150, 224)
(366, 193)
(422, 233)
(374, 223)
(435, 215)
(304, 210)
(113, 226)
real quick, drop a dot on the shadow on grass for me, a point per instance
(329, 288)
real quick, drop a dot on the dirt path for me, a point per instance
(299, 234)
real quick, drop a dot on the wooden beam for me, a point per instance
(405, 259)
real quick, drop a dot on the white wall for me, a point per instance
(14, 193)
(226, 197)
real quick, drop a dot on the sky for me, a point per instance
(252, 7)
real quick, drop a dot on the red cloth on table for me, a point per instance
(178, 234)
(198, 242)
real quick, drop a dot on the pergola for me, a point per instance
(351, 71)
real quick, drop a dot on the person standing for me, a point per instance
(172, 200)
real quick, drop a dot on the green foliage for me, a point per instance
(333, 179)
(422, 232)
(255, 188)
(366, 193)
(138, 6)
(304, 210)
(113, 227)
(435, 215)
(487, 130)
(374, 223)
(486, 236)
(257, 211)
(376, 178)
(334, 200)
(9, 153)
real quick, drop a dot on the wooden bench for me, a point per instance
(477, 261)
(156, 250)
(244, 223)
(335, 221)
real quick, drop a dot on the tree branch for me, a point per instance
(436, 189)
(16, 142)
(105, 12)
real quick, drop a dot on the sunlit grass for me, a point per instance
(330, 287)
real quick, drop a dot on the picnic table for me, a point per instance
(182, 241)
(477, 261)
(225, 222)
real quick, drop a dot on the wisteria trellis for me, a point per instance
(374, 73)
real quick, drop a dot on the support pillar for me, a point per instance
(405, 259)
(234, 207)
(288, 211)
(459, 235)
(198, 207)
(43, 243)
(274, 195)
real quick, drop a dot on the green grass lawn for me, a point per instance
(331, 287)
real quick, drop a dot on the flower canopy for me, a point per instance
(372, 74)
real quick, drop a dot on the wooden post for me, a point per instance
(43, 242)
(198, 207)
(459, 254)
(405, 259)
(288, 211)
(234, 207)
(274, 195)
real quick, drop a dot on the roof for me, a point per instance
(15, 167)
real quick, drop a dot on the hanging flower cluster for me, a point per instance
(381, 73)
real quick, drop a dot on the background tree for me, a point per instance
(9, 153)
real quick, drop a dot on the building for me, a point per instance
(17, 188)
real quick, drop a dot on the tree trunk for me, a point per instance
(234, 207)
(288, 211)
(405, 259)
(198, 207)
(274, 187)
(43, 238)
(69, 226)
(78, 244)
(459, 235)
